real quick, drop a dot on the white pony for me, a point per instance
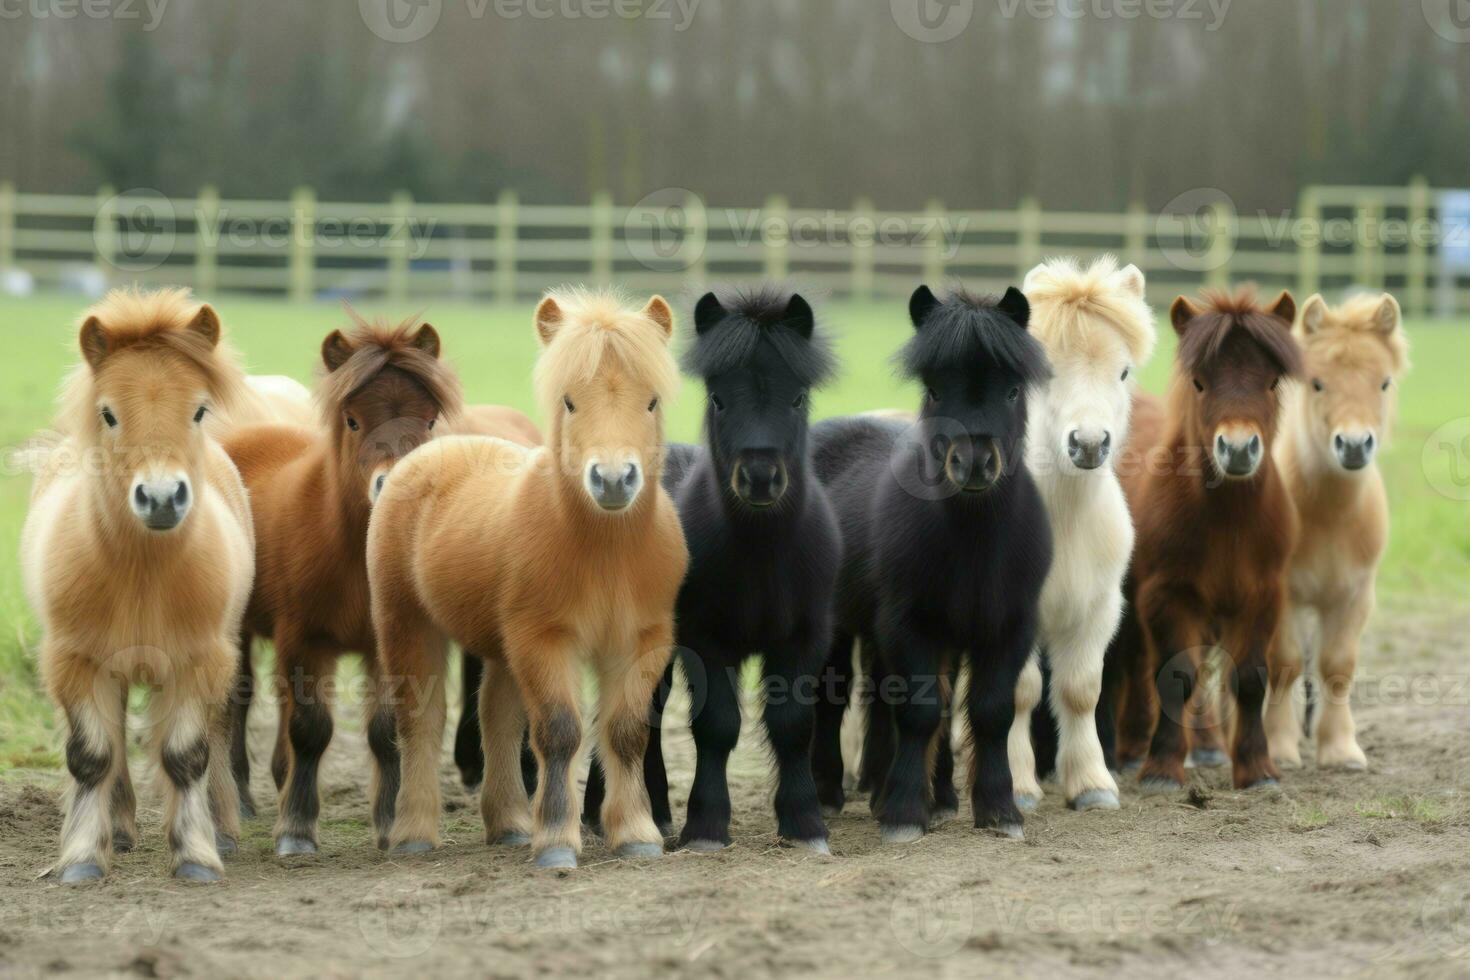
(1098, 331)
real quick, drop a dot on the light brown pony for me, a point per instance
(532, 559)
(1214, 526)
(137, 556)
(1335, 423)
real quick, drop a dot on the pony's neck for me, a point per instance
(348, 492)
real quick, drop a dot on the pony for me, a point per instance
(530, 558)
(137, 555)
(753, 512)
(1335, 424)
(1215, 528)
(946, 545)
(1097, 330)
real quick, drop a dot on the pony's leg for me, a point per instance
(1137, 708)
(991, 699)
(281, 750)
(547, 672)
(1337, 739)
(655, 776)
(184, 748)
(240, 699)
(415, 658)
(528, 764)
(1174, 627)
(879, 736)
(1283, 730)
(468, 755)
(789, 677)
(124, 800)
(1076, 657)
(224, 790)
(1206, 731)
(382, 736)
(1027, 788)
(626, 686)
(1248, 639)
(833, 688)
(504, 804)
(946, 800)
(716, 728)
(94, 704)
(309, 674)
(913, 668)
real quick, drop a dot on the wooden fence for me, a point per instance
(401, 250)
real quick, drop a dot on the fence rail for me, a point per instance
(400, 250)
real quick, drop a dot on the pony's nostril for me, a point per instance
(140, 495)
(630, 476)
(1073, 443)
(1255, 445)
(181, 495)
(1368, 442)
(1339, 442)
(1221, 445)
(1107, 440)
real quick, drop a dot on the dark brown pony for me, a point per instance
(1215, 529)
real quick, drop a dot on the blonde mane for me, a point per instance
(1346, 330)
(599, 327)
(1068, 302)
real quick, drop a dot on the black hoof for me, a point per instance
(198, 873)
(291, 846)
(122, 843)
(80, 874)
(704, 846)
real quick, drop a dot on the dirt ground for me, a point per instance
(1332, 875)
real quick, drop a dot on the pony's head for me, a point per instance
(384, 390)
(603, 377)
(1097, 330)
(760, 354)
(1233, 355)
(153, 366)
(1353, 354)
(976, 362)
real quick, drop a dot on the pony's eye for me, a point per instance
(931, 395)
(715, 401)
(568, 403)
(109, 418)
(352, 423)
(1386, 383)
(653, 405)
(199, 415)
(1013, 394)
(1317, 384)
(1198, 387)
(1126, 372)
(799, 400)
(432, 423)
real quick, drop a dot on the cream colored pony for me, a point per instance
(137, 555)
(1335, 424)
(1098, 332)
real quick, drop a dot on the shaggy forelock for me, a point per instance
(1224, 314)
(966, 328)
(598, 327)
(754, 317)
(1349, 334)
(376, 346)
(1070, 304)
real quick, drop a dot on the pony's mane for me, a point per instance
(1348, 328)
(754, 316)
(1068, 303)
(150, 321)
(377, 345)
(599, 326)
(1223, 314)
(966, 327)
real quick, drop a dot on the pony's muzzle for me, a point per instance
(1354, 449)
(162, 503)
(760, 478)
(1088, 452)
(1238, 454)
(973, 464)
(614, 490)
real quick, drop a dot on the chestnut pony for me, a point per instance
(137, 556)
(532, 559)
(1215, 526)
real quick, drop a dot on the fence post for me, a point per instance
(934, 242)
(1028, 236)
(104, 231)
(399, 244)
(1222, 244)
(206, 240)
(303, 238)
(7, 225)
(861, 242)
(1135, 235)
(505, 247)
(696, 240)
(1309, 244)
(1417, 287)
(776, 236)
(601, 234)
(1370, 248)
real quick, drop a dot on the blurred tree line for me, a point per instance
(820, 100)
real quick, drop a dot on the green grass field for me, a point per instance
(493, 349)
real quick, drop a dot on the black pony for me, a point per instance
(764, 550)
(946, 546)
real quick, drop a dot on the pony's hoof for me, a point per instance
(666, 830)
(640, 850)
(1208, 758)
(225, 845)
(1095, 799)
(191, 871)
(817, 845)
(513, 838)
(122, 843)
(291, 846)
(1010, 831)
(1131, 765)
(1286, 762)
(80, 874)
(557, 859)
(831, 811)
(411, 847)
(705, 846)
(1159, 785)
(1267, 783)
(940, 817)
(1027, 802)
(900, 833)
(247, 809)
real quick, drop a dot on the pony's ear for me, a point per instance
(659, 311)
(93, 341)
(707, 312)
(336, 351)
(1284, 307)
(1131, 279)
(206, 325)
(799, 314)
(1029, 283)
(1182, 313)
(1015, 305)
(548, 319)
(427, 340)
(1314, 311)
(1388, 316)
(921, 304)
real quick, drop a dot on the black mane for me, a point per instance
(966, 327)
(744, 318)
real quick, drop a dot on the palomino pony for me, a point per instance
(1214, 526)
(754, 514)
(946, 545)
(531, 559)
(1097, 330)
(1334, 426)
(137, 556)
